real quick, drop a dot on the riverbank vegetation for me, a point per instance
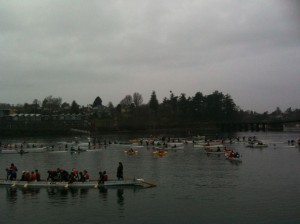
(175, 111)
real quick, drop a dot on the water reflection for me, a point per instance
(83, 192)
(54, 192)
(120, 197)
(30, 192)
(12, 194)
(235, 162)
(120, 201)
(63, 194)
(214, 155)
(103, 193)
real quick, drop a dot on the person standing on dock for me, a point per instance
(11, 172)
(38, 175)
(120, 171)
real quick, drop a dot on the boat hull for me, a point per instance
(160, 153)
(234, 159)
(131, 153)
(87, 184)
(9, 151)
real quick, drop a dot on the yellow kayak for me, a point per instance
(131, 152)
(160, 152)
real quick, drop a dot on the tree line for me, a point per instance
(174, 111)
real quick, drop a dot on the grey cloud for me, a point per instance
(82, 49)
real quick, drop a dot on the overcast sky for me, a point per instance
(78, 50)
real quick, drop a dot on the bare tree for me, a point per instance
(127, 101)
(137, 99)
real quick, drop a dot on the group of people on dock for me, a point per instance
(60, 175)
(63, 175)
(31, 176)
(11, 174)
(292, 142)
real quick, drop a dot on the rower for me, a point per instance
(12, 172)
(37, 175)
(101, 178)
(86, 175)
(232, 154)
(81, 177)
(75, 172)
(105, 176)
(32, 176)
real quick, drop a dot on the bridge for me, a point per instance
(287, 125)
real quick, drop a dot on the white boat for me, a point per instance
(210, 144)
(199, 138)
(214, 147)
(87, 184)
(134, 146)
(57, 151)
(258, 144)
(83, 146)
(32, 150)
(215, 152)
(9, 151)
(199, 146)
(174, 144)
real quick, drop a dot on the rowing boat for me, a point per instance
(131, 152)
(11, 151)
(231, 158)
(160, 153)
(258, 144)
(88, 184)
(216, 150)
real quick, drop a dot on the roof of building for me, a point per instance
(4, 106)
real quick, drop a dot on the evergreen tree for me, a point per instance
(198, 105)
(97, 102)
(74, 107)
(153, 103)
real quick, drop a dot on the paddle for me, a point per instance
(144, 182)
(14, 184)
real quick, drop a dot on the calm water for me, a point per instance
(191, 187)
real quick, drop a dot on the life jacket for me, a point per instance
(38, 176)
(27, 176)
(14, 168)
(86, 176)
(105, 177)
(32, 177)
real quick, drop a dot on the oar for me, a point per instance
(25, 185)
(67, 185)
(14, 184)
(144, 182)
